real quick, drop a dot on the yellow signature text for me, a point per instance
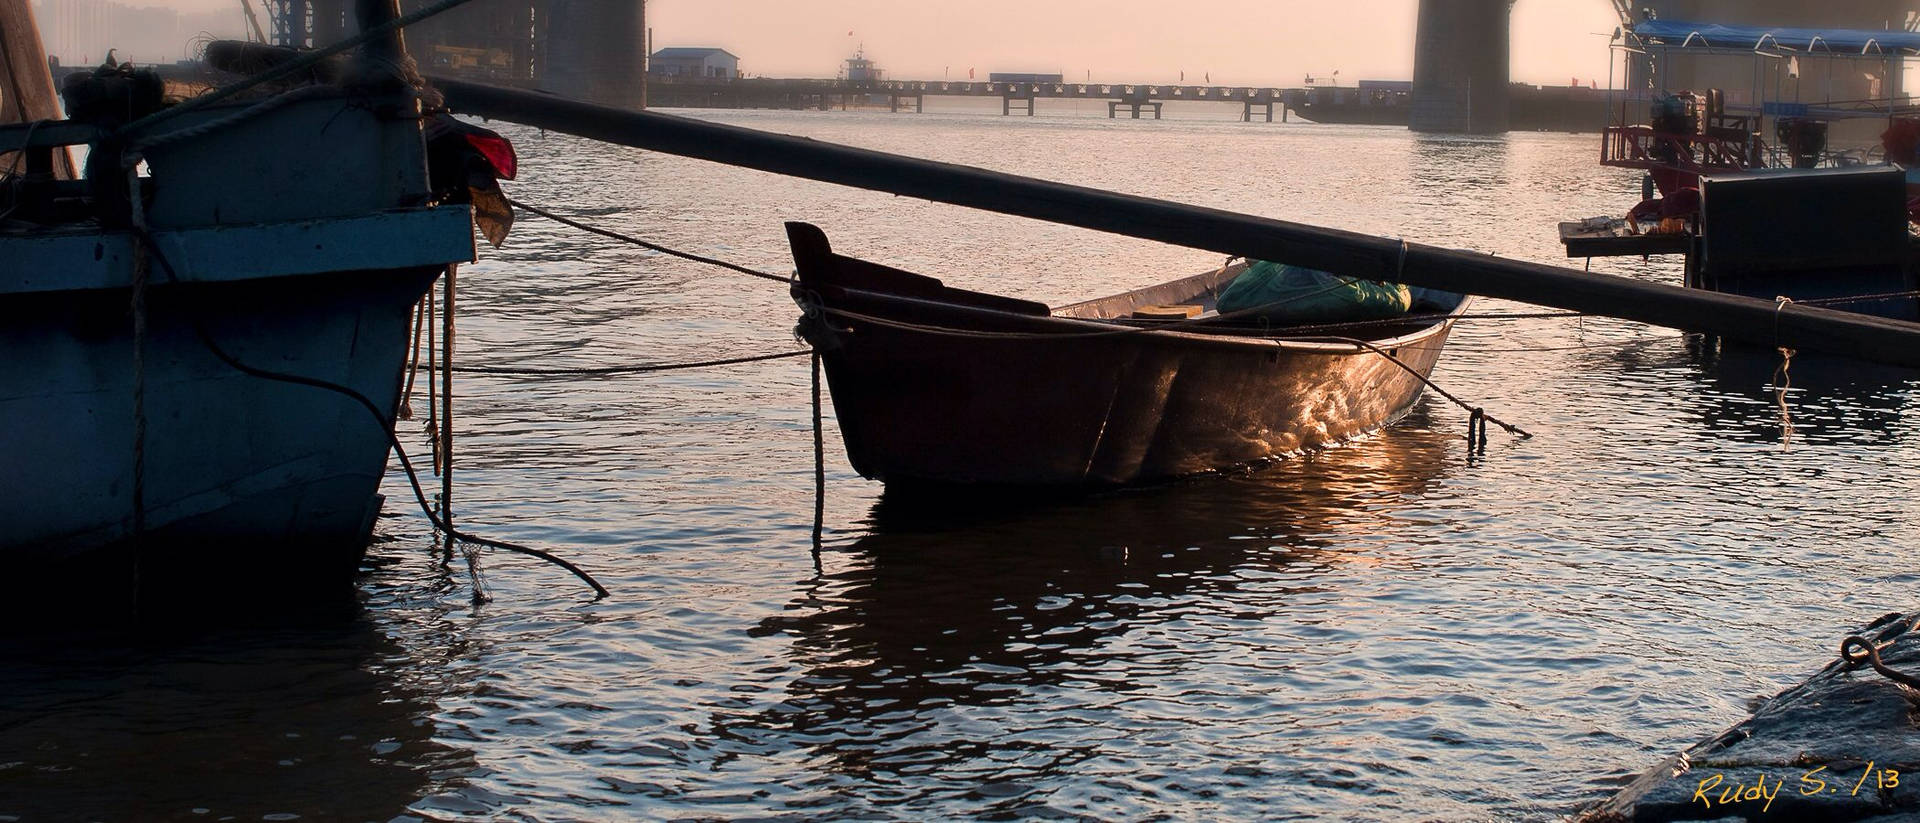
(1716, 791)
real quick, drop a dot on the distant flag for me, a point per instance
(1183, 75)
(1209, 76)
(1593, 84)
(969, 72)
(849, 32)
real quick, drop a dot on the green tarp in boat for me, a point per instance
(1291, 295)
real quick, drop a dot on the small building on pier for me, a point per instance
(702, 63)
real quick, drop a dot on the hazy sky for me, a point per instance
(1236, 41)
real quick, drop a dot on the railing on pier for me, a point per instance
(1641, 147)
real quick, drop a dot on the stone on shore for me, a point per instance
(1842, 746)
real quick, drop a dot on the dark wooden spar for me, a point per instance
(936, 385)
(1750, 320)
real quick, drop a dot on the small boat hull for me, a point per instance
(1026, 399)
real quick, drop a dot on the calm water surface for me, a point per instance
(1390, 630)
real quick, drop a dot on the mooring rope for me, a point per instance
(138, 306)
(1117, 332)
(1477, 413)
(1782, 383)
(646, 368)
(446, 410)
(1214, 320)
(413, 362)
(1861, 298)
(819, 466)
(646, 245)
(393, 440)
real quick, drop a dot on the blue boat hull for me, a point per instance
(246, 480)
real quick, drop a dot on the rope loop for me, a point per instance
(1869, 654)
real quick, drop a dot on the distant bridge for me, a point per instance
(1014, 97)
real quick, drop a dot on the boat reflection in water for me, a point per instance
(952, 608)
(329, 720)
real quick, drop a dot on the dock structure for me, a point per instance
(1265, 102)
(1023, 96)
(1016, 98)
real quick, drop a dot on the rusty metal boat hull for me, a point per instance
(933, 385)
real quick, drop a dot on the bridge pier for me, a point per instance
(1246, 115)
(1460, 67)
(1133, 103)
(1007, 101)
(919, 102)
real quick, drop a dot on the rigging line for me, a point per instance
(393, 440)
(640, 369)
(291, 67)
(646, 245)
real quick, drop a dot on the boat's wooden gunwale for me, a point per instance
(1068, 326)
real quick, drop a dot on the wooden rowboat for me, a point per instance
(937, 385)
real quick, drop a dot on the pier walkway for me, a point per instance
(1015, 97)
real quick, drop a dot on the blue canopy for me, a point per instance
(1718, 36)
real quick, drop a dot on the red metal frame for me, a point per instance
(1678, 160)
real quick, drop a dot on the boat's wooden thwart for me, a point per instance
(1741, 318)
(936, 385)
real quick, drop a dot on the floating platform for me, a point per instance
(1844, 745)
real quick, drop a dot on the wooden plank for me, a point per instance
(1581, 243)
(1740, 318)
